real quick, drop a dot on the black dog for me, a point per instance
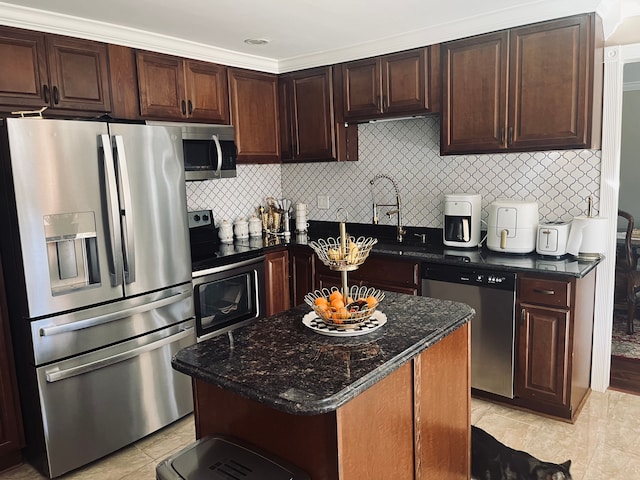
(493, 460)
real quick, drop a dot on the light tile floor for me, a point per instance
(603, 443)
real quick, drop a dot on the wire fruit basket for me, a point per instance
(344, 255)
(345, 307)
(330, 306)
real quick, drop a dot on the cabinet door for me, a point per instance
(361, 88)
(23, 68)
(543, 363)
(302, 273)
(253, 98)
(11, 439)
(474, 94)
(208, 95)
(79, 74)
(124, 82)
(285, 112)
(162, 86)
(277, 282)
(312, 113)
(549, 79)
(404, 82)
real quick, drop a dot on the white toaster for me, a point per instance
(552, 238)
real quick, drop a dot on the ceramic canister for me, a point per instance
(225, 231)
(241, 228)
(255, 226)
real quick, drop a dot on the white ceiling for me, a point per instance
(301, 33)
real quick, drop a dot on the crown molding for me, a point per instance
(34, 19)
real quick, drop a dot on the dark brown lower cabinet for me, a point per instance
(554, 332)
(303, 271)
(277, 281)
(378, 271)
(11, 434)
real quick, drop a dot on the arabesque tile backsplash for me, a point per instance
(408, 151)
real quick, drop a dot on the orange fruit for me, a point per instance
(335, 294)
(337, 303)
(321, 301)
(371, 301)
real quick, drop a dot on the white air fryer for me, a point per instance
(512, 226)
(461, 220)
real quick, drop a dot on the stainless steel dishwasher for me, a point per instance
(492, 295)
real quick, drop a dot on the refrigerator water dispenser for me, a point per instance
(71, 251)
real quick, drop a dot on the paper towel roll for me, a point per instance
(588, 236)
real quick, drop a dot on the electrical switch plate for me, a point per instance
(323, 202)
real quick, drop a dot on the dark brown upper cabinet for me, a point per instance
(174, 88)
(38, 69)
(536, 87)
(310, 130)
(399, 84)
(253, 97)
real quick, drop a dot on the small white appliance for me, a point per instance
(462, 220)
(588, 237)
(512, 226)
(552, 238)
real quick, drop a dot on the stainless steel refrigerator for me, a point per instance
(99, 282)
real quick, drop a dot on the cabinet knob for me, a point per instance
(46, 94)
(510, 137)
(544, 291)
(184, 107)
(501, 135)
(523, 316)
(56, 96)
(190, 107)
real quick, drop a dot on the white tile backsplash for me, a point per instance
(408, 150)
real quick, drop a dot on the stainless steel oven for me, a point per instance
(228, 279)
(228, 296)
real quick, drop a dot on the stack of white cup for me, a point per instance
(301, 217)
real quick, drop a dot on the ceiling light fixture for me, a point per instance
(256, 41)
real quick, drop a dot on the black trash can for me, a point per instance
(225, 458)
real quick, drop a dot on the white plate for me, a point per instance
(315, 323)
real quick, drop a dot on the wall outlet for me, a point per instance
(323, 202)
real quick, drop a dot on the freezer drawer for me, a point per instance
(97, 403)
(78, 332)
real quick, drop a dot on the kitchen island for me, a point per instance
(391, 403)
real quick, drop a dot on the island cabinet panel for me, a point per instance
(38, 69)
(529, 88)
(277, 281)
(403, 83)
(174, 88)
(11, 433)
(253, 98)
(554, 331)
(412, 424)
(378, 271)
(443, 414)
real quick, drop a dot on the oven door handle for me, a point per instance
(57, 375)
(111, 317)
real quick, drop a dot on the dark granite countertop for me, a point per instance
(283, 364)
(431, 251)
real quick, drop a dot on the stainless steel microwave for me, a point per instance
(209, 150)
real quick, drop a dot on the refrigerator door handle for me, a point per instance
(111, 317)
(57, 375)
(115, 238)
(125, 202)
(216, 140)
